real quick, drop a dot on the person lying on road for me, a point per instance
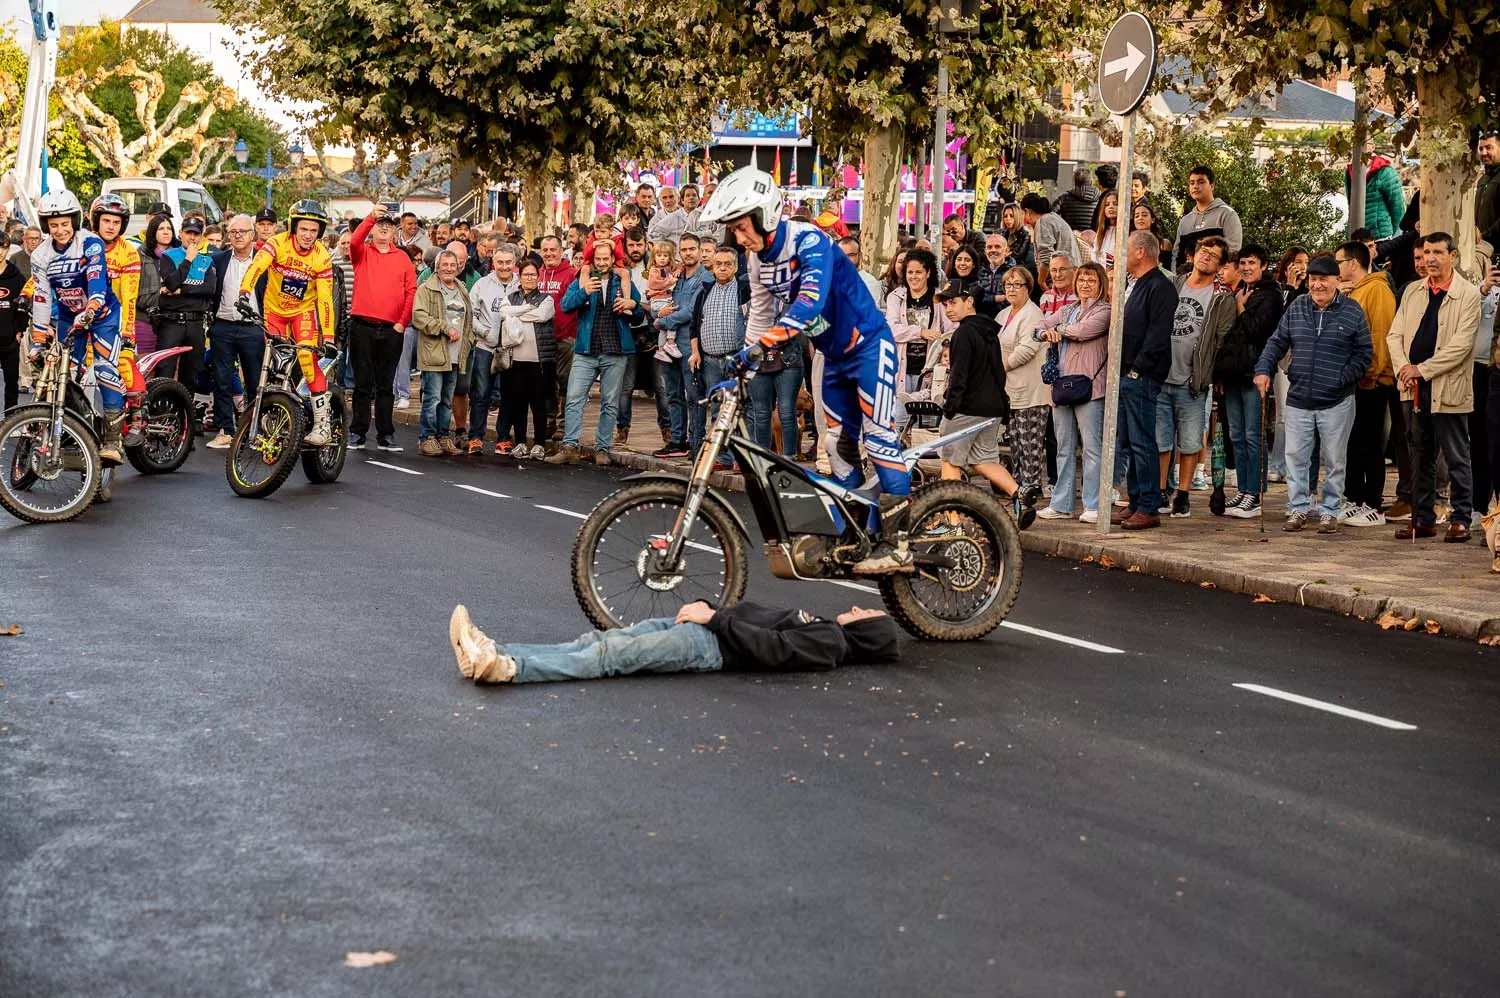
(745, 637)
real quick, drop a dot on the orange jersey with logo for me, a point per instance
(296, 282)
(122, 261)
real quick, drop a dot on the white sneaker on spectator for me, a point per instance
(1089, 516)
(1244, 507)
(1347, 510)
(1048, 513)
(1046, 492)
(220, 442)
(403, 404)
(1200, 480)
(1116, 499)
(1362, 516)
(538, 452)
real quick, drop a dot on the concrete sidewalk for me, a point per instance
(1363, 572)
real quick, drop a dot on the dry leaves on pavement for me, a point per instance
(1262, 598)
(1492, 640)
(1208, 585)
(11, 631)
(1105, 561)
(355, 958)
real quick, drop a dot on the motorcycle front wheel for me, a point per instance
(167, 411)
(973, 586)
(258, 467)
(615, 576)
(30, 488)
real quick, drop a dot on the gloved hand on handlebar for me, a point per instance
(744, 362)
(85, 319)
(243, 307)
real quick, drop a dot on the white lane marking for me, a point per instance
(1332, 708)
(483, 492)
(564, 512)
(1064, 638)
(395, 467)
(1023, 628)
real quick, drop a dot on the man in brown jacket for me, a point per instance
(1431, 342)
(1365, 484)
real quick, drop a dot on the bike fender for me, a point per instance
(710, 496)
(147, 361)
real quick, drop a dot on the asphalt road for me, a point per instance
(234, 746)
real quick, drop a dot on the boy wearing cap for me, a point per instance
(1329, 338)
(265, 226)
(745, 637)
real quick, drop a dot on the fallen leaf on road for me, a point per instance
(1390, 620)
(354, 958)
(1492, 640)
(1088, 559)
(1262, 598)
(1432, 627)
(1105, 561)
(1413, 624)
(11, 631)
(1133, 568)
(1208, 585)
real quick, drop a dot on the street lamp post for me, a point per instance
(268, 177)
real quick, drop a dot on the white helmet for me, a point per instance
(55, 204)
(745, 192)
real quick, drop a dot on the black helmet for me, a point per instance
(307, 210)
(108, 204)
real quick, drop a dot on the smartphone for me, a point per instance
(393, 207)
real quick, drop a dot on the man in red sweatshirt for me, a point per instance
(553, 279)
(385, 285)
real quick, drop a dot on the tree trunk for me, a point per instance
(1448, 177)
(880, 215)
(581, 201)
(1357, 162)
(536, 205)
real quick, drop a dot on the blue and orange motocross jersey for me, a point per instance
(67, 281)
(296, 282)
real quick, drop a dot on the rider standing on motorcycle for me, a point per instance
(108, 216)
(299, 300)
(800, 282)
(71, 285)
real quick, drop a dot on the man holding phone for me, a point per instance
(385, 288)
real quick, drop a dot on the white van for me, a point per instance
(183, 195)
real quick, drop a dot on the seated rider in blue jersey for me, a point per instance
(802, 284)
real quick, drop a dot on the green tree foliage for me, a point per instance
(65, 147)
(1280, 201)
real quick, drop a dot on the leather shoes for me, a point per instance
(1409, 531)
(1141, 521)
(1119, 516)
(1457, 534)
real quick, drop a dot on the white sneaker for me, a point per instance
(1200, 480)
(1089, 516)
(538, 452)
(1245, 507)
(1347, 510)
(1048, 513)
(477, 656)
(1275, 476)
(220, 442)
(1046, 492)
(403, 404)
(1116, 499)
(1362, 516)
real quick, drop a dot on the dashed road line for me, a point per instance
(395, 467)
(1332, 708)
(483, 492)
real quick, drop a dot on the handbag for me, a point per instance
(1074, 389)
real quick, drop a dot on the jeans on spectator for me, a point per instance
(1485, 486)
(676, 376)
(234, 341)
(1072, 422)
(609, 370)
(1137, 438)
(658, 645)
(1430, 432)
(1280, 385)
(560, 368)
(481, 380)
(374, 352)
(437, 403)
(1180, 420)
(1365, 481)
(402, 387)
(1242, 405)
(708, 375)
(1399, 440)
(1330, 428)
(624, 408)
(777, 391)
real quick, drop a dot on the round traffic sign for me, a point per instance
(1127, 63)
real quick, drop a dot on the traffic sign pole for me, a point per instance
(1116, 329)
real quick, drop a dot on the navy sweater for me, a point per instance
(1330, 350)
(1146, 346)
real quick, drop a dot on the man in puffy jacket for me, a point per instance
(1384, 201)
(1329, 339)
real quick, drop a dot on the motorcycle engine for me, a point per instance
(809, 551)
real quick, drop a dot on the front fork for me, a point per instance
(265, 369)
(671, 553)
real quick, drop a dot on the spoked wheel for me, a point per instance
(972, 573)
(325, 464)
(615, 574)
(36, 488)
(257, 467)
(167, 412)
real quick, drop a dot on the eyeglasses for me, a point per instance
(1010, 285)
(240, 232)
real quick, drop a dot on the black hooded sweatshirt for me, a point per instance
(755, 638)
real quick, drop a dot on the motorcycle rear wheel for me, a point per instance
(324, 464)
(611, 575)
(969, 598)
(168, 412)
(256, 469)
(24, 491)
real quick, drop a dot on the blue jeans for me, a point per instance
(779, 391)
(676, 376)
(710, 374)
(1330, 427)
(402, 386)
(1137, 438)
(1242, 406)
(1180, 420)
(479, 392)
(234, 341)
(657, 645)
(609, 371)
(437, 403)
(1089, 419)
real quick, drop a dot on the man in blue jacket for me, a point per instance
(1145, 362)
(1329, 338)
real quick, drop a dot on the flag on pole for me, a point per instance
(817, 168)
(791, 179)
(776, 168)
